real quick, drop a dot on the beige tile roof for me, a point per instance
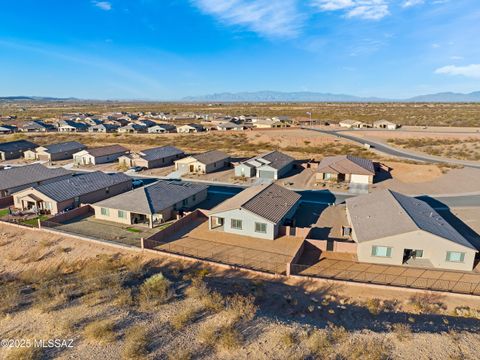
(346, 164)
(387, 213)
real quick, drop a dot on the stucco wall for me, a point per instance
(248, 224)
(434, 249)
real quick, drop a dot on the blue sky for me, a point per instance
(167, 49)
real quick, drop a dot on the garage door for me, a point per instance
(359, 179)
(264, 174)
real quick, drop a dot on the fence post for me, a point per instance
(142, 244)
(39, 223)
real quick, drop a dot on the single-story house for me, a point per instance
(272, 165)
(395, 229)
(99, 155)
(8, 129)
(70, 193)
(190, 128)
(151, 205)
(103, 128)
(152, 158)
(132, 129)
(15, 149)
(385, 124)
(162, 129)
(258, 211)
(204, 163)
(147, 123)
(353, 124)
(71, 126)
(226, 126)
(55, 152)
(37, 126)
(346, 168)
(21, 177)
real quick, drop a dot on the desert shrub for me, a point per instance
(100, 331)
(374, 306)
(51, 294)
(229, 338)
(286, 338)
(336, 334)
(402, 331)
(318, 343)
(241, 308)
(368, 349)
(184, 317)
(179, 354)
(155, 290)
(207, 334)
(211, 300)
(10, 297)
(24, 353)
(135, 344)
(427, 303)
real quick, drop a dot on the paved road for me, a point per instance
(389, 150)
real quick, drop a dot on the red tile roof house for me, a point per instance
(99, 155)
(346, 168)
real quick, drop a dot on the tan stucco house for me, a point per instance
(99, 155)
(258, 211)
(152, 158)
(345, 168)
(151, 205)
(55, 152)
(69, 193)
(204, 163)
(395, 229)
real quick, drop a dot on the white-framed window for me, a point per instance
(121, 214)
(236, 224)
(381, 251)
(455, 256)
(261, 228)
(104, 211)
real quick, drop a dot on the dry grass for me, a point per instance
(10, 298)
(318, 344)
(25, 353)
(100, 331)
(207, 334)
(403, 332)
(184, 317)
(427, 303)
(135, 344)
(241, 308)
(228, 338)
(370, 348)
(155, 290)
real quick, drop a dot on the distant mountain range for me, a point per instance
(35, 98)
(277, 96)
(304, 96)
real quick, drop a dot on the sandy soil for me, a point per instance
(297, 308)
(425, 179)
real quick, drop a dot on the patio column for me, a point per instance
(150, 221)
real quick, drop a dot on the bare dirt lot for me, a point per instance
(114, 305)
(462, 144)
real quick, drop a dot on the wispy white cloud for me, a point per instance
(270, 18)
(363, 9)
(104, 5)
(411, 3)
(471, 71)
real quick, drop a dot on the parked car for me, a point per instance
(137, 183)
(136, 169)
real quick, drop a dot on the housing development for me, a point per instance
(240, 180)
